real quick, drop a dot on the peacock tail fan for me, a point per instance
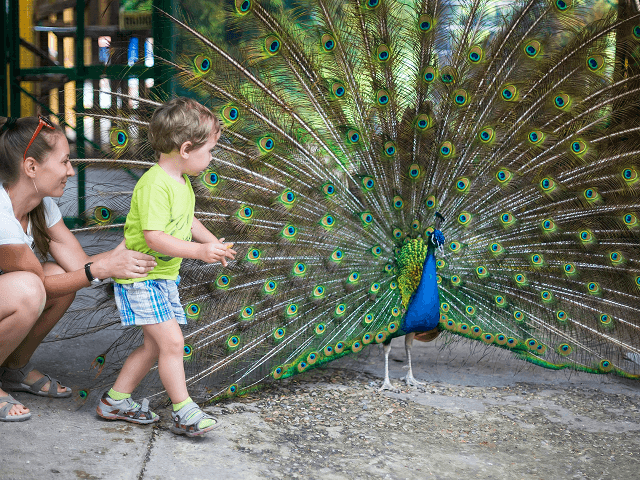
(349, 124)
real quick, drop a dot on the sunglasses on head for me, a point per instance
(42, 122)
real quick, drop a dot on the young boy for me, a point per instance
(161, 223)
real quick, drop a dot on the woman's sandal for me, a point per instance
(4, 410)
(126, 409)
(13, 381)
(187, 419)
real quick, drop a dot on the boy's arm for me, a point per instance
(167, 245)
(201, 234)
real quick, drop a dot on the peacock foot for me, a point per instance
(387, 385)
(411, 381)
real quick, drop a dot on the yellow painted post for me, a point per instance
(27, 59)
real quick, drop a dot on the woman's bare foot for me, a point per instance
(16, 409)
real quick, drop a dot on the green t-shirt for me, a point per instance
(159, 203)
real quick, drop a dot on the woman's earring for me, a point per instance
(34, 185)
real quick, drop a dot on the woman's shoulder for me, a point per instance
(10, 229)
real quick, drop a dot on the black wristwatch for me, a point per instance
(87, 270)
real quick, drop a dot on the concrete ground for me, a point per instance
(481, 415)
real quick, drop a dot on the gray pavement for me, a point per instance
(481, 414)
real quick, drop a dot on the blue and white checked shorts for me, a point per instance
(149, 302)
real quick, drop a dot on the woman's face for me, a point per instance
(52, 174)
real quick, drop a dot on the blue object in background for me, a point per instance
(132, 57)
(148, 52)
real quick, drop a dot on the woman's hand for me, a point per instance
(123, 263)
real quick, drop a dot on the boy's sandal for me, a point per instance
(187, 419)
(126, 409)
(13, 380)
(4, 410)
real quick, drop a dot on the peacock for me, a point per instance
(389, 168)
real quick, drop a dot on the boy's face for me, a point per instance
(199, 158)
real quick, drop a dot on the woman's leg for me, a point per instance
(137, 366)
(53, 311)
(168, 337)
(22, 300)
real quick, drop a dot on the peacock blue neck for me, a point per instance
(418, 285)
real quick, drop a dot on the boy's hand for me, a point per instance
(216, 252)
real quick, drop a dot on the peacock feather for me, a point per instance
(351, 128)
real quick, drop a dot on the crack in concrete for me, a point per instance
(147, 456)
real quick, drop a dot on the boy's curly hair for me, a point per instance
(181, 120)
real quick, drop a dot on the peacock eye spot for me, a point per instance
(559, 101)
(484, 135)
(531, 50)
(627, 173)
(247, 211)
(422, 123)
(459, 99)
(636, 31)
(561, 4)
(340, 91)
(426, 25)
(329, 44)
(429, 76)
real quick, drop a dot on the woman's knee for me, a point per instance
(24, 291)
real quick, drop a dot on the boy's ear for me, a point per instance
(185, 148)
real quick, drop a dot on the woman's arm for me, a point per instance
(68, 253)
(19, 258)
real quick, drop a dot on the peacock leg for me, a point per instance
(386, 385)
(409, 378)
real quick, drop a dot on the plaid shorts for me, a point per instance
(149, 302)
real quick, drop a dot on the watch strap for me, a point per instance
(87, 271)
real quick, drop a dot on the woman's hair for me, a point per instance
(15, 135)
(181, 120)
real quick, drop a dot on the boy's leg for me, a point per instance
(137, 365)
(170, 342)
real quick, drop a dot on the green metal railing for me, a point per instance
(11, 90)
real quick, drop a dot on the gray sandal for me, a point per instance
(4, 411)
(12, 381)
(186, 420)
